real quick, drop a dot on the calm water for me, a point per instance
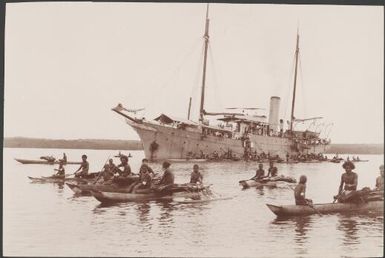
(47, 220)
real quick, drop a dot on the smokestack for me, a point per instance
(274, 113)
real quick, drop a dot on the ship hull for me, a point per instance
(173, 143)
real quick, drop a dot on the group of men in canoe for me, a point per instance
(145, 179)
(260, 173)
(347, 191)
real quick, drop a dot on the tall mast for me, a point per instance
(295, 83)
(206, 37)
(189, 109)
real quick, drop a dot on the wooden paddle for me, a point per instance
(101, 171)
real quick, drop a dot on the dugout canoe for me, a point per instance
(50, 179)
(176, 191)
(86, 188)
(303, 210)
(54, 179)
(44, 162)
(270, 182)
(255, 183)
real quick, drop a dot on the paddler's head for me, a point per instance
(271, 163)
(166, 165)
(124, 159)
(302, 179)
(111, 161)
(196, 168)
(144, 161)
(348, 166)
(84, 157)
(260, 165)
(382, 170)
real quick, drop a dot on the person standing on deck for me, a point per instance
(84, 167)
(196, 176)
(299, 192)
(273, 171)
(260, 172)
(380, 180)
(60, 171)
(348, 185)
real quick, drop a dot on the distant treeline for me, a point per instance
(22, 142)
(356, 148)
(93, 144)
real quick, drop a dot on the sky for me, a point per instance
(67, 64)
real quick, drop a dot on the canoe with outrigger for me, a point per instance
(121, 185)
(45, 162)
(164, 193)
(60, 179)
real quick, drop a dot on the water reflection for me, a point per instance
(300, 225)
(349, 226)
(143, 212)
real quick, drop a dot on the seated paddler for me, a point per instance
(145, 166)
(125, 170)
(84, 167)
(196, 177)
(348, 184)
(300, 191)
(167, 177)
(144, 180)
(260, 173)
(273, 171)
(60, 171)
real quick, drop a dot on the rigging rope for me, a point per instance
(303, 85)
(289, 89)
(215, 80)
(161, 88)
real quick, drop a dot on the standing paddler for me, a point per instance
(84, 167)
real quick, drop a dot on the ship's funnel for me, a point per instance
(274, 113)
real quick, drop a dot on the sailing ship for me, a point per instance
(168, 137)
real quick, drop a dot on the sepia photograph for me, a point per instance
(193, 130)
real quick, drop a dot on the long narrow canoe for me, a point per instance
(361, 160)
(177, 190)
(186, 200)
(187, 160)
(87, 188)
(302, 210)
(56, 179)
(44, 162)
(111, 197)
(254, 183)
(270, 182)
